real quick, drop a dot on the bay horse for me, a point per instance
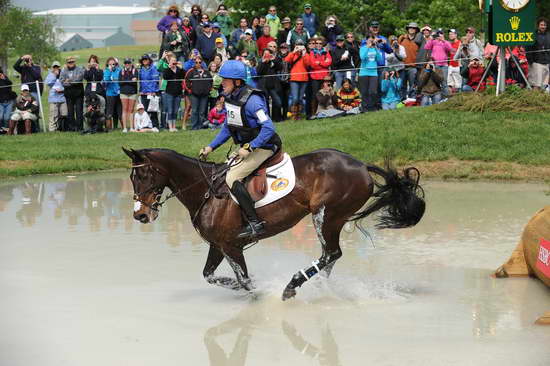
(331, 185)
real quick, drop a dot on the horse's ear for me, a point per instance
(130, 153)
(135, 155)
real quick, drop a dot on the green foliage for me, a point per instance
(22, 33)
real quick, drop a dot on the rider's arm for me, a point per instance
(256, 106)
(222, 137)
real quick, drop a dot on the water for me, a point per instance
(82, 283)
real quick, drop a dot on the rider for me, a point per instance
(250, 126)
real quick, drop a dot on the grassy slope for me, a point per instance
(473, 145)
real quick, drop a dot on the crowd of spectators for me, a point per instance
(305, 67)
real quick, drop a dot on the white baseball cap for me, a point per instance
(140, 106)
(24, 87)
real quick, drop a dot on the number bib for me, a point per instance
(234, 117)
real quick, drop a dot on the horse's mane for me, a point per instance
(177, 155)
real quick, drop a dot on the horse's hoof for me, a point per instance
(288, 293)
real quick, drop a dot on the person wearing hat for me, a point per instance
(326, 100)
(380, 41)
(454, 80)
(429, 84)
(72, 78)
(248, 44)
(264, 39)
(441, 52)
(411, 42)
(371, 57)
(470, 46)
(310, 19)
(298, 33)
(217, 29)
(163, 26)
(206, 42)
(423, 55)
(282, 35)
(56, 97)
(273, 21)
(26, 110)
(221, 50)
(142, 121)
(342, 62)
(149, 87)
(30, 74)
(224, 21)
(472, 75)
(177, 42)
(249, 125)
(128, 93)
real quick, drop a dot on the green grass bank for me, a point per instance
(445, 144)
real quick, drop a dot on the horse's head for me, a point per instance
(148, 181)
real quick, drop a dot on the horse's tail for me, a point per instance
(401, 198)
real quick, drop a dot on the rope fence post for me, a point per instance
(40, 105)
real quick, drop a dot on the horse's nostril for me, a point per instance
(141, 217)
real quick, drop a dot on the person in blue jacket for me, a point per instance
(370, 57)
(111, 76)
(148, 85)
(250, 126)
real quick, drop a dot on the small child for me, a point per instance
(217, 115)
(142, 121)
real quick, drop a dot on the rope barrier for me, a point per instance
(271, 75)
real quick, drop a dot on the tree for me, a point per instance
(23, 33)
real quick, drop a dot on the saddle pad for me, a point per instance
(280, 182)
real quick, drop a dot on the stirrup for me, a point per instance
(252, 230)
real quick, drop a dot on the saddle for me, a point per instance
(256, 183)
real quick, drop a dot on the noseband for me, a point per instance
(157, 190)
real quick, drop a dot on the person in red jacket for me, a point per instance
(454, 80)
(319, 60)
(473, 74)
(264, 39)
(298, 65)
(217, 115)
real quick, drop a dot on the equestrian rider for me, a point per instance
(250, 126)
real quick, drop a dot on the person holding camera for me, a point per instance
(342, 62)
(331, 30)
(391, 89)
(30, 74)
(298, 65)
(26, 110)
(268, 68)
(94, 77)
(472, 74)
(396, 62)
(319, 60)
(371, 57)
(223, 18)
(7, 97)
(177, 42)
(412, 42)
(429, 84)
(111, 74)
(95, 113)
(56, 98)
(72, 77)
(441, 51)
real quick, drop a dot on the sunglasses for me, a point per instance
(173, 11)
(349, 36)
(318, 43)
(299, 24)
(70, 62)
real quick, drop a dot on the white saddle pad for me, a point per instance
(280, 182)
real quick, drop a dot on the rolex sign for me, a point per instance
(512, 22)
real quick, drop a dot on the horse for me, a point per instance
(331, 185)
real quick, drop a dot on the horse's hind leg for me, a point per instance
(328, 230)
(215, 257)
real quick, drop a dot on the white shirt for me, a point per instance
(142, 121)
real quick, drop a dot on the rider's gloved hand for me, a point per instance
(205, 151)
(243, 153)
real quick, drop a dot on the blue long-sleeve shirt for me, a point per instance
(384, 48)
(390, 90)
(370, 60)
(149, 79)
(112, 88)
(56, 89)
(255, 110)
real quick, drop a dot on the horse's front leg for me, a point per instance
(215, 257)
(235, 258)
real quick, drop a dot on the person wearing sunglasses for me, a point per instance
(72, 77)
(298, 33)
(319, 61)
(196, 16)
(273, 21)
(173, 15)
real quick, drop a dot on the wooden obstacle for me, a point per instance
(532, 254)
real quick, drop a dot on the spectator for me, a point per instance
(538, 56)
(238, 34)
(311, 21)
(269, 66)
(142, 122)
(128, 93)
(411, 42)
(198, 83)
(224, 20)
(149, 88)
(113, 108)
(454, 80)
(471, 46)
(94, 76)
(371, 57)
(196, 16)
(217, 115)
(429, 84)
(173, 75)
(204, 19)
(214, 95)
(206, 42)
(381, 42)
(440, 51)
(217, 29)
(273, 21)
(284, 77)
(95, 113)
(319, 60)
(248, 44)
(189, 31)
(7, 98)
(221, 51)
(472, 75)
(297, 33)
(331, 30)
(162, 65)
(164, 25)
(298, 65)
(423, 55)
(30, 74)
(264, 40)
(56, 98)
(352, 46)
(342, 64)
(326, 101)
(177, 42)
(395, 61)
(349, 98)
(258, 26)
(26, 110)
(282, 35)
(391, 87)
(513, 73)
(71, 77)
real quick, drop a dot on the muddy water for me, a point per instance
(82, 284)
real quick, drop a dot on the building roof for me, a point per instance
(98, 10)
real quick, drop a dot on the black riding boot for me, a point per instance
(255, 227)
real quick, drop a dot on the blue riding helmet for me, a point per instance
(233, 69)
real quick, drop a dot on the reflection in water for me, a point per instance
(237, 356)
(327, 353)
